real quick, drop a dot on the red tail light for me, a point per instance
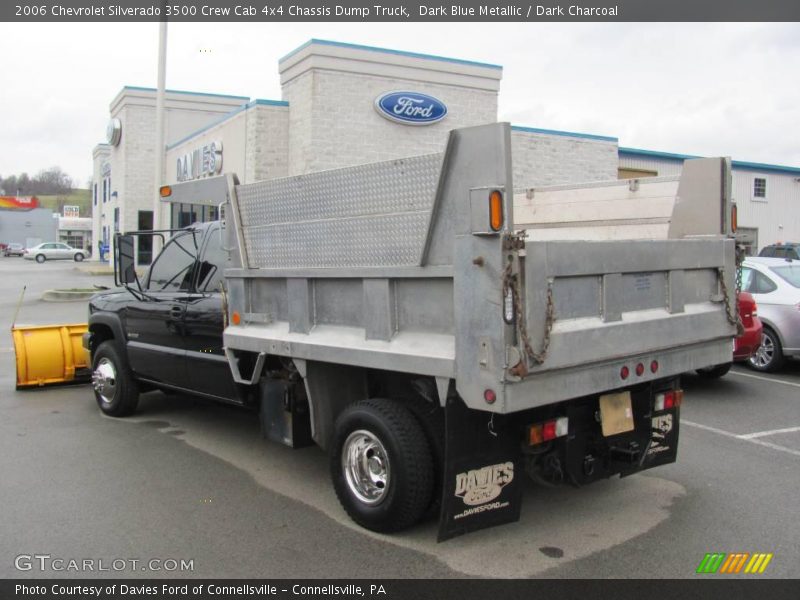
(549, 430)
(668, 400)
(747, 308)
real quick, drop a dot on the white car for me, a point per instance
(54, 251)
(775, 284)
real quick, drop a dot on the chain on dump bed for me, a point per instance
(511, 284)
(734, 318)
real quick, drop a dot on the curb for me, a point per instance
(99, 269)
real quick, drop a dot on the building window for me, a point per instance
(759, 188)
(94, 196)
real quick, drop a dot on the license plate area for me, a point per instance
(616, 413)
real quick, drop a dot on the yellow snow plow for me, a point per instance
(48, 354)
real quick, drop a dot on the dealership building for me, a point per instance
(343, 105)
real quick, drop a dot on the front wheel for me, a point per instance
(769, 356)
(381, 465)
(40, 258)
(78, 257)
(115, 389)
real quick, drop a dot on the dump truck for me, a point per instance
(440, 330)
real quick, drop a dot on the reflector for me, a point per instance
(496, 210)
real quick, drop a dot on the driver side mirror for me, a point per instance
(125, 263)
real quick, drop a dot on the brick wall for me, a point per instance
(546, 159)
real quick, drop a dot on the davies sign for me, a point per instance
(201, 162)
(410, 108)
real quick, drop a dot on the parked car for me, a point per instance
(747, 344)
(787, 250)
(14, 250)
(54, 251)
(775, 284)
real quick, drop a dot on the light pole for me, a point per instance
(159, 169)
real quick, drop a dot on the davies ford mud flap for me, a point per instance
(662, 448)
(482, 485)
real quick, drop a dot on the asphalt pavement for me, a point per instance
(188, 480)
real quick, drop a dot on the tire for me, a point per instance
(78, 257)
(769, 356)
(715, 372)
(431, 418)
(381, 465)
(115, 389)
(40, 258)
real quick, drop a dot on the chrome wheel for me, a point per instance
(104, 380)
(366, 467)
(765, 353)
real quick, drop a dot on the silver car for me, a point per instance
(775, 284)
(54, 251)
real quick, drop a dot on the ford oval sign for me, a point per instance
(410, 108)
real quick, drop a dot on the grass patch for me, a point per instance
(79, 197)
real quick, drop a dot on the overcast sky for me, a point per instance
(704, 89)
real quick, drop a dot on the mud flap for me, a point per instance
(482, 485)
(663, 446)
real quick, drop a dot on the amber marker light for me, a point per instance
(496, 210)
(236, 318)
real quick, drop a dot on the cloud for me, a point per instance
(696, 88)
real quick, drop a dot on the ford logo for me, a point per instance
(410, 108)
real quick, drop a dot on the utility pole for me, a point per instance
(160, 144)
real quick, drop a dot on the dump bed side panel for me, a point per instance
(339, 268)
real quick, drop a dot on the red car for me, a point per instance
(746, 344)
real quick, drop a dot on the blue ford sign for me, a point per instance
(410, 108)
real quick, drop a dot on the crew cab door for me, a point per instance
(155, 324)
(207, 368)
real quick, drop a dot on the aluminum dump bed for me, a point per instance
(422, 265)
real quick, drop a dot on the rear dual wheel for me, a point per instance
(715, 372)
(381, 465)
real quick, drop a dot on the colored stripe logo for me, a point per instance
(734, 563)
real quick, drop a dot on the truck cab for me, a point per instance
(146, 336)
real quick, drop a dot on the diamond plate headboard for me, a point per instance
(369, 215)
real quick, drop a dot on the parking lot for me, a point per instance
(189, 480)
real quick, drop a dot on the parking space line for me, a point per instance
(762, 378)
(736, 436)
(750, 436)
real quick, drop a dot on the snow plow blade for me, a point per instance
(49, 354)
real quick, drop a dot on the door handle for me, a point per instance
(176, 311)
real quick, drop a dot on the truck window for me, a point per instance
(172, 270)
(212, 266)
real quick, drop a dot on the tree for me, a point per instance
(23, 186)
(9, 185)
(51, 181)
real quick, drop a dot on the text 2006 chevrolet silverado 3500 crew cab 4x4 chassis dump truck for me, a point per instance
(397, 315)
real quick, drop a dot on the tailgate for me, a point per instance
(621, 303)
